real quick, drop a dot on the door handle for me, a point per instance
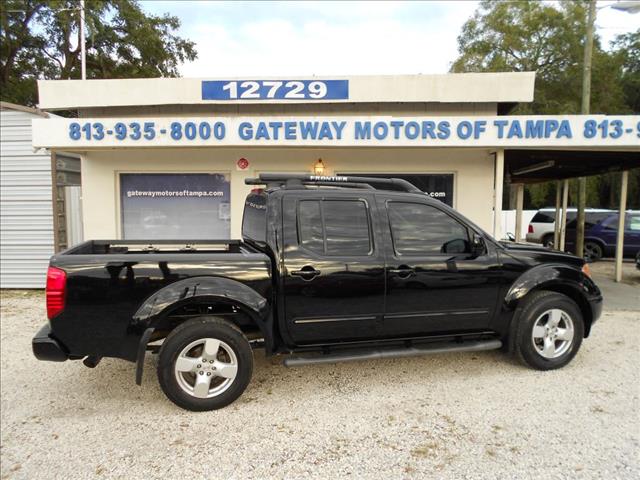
(403, 271)
(306, 273)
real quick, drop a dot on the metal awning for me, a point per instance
(535, 166)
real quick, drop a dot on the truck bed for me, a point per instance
(115, 287)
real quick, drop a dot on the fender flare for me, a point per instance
(542, 276)
(555, 277)
(218, 289)
(186, 291)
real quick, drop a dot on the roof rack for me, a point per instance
(296, 180)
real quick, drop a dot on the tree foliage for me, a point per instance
(39, 39)
(627, 49)
(548, 38)
(545, 38)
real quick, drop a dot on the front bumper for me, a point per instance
(596, 304)
(45, 347)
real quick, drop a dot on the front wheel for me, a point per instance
(549, 331)
(205, 364)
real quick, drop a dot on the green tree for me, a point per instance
(39, 39)
(548, 38)
(545, 38)
(627, 49)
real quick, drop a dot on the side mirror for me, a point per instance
(478, 246)
(511, 237)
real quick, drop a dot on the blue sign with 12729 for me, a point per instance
(275, 89)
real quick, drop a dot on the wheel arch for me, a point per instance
(544, 236)
(553, 278)
(216, 296)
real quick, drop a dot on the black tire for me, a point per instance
(593, 251)
(531, 312)
(547, 240)
(192, 331)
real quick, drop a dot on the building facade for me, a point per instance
(167, 158)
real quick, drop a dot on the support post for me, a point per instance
(620, 239)
(585, 108)
(580, 218)
(497, 199)
(563, 222)
(519, 206)
(556, 225)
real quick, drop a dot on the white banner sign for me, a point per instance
(568, 131)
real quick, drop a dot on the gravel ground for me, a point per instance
(452, 415)
(607, 266)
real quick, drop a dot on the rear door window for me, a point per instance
(335, 227)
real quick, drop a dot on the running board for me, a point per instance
(425, 349)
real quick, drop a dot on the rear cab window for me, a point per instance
(254, 219)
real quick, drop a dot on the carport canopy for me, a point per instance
(535, 166)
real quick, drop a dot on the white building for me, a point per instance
(29, 233)
(167, 158)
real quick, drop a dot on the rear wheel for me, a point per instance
(593, 251)
(205, 364)
(549, 331)
(547, 240)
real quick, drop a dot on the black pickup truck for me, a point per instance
(329, 269)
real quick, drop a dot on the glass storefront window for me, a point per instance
(436, 185)
(190, 206)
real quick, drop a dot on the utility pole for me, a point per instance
(83, 52)
(586, 104)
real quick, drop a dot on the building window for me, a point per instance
(192, 206)
(436, 185)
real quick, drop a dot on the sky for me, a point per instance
(328, 38)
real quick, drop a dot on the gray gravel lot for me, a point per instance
(452, 415)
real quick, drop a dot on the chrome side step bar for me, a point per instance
(424, 349)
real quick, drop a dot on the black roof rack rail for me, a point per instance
(300, 179)
(298, 183)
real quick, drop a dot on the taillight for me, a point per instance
(530, 228)
(56, 290)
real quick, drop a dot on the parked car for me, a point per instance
(638, 260)
(329, 269)
(600, 237)
(542, 225)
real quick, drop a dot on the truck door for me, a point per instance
(435, 285)
(333, 275)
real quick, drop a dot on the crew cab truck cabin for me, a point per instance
(329, 269)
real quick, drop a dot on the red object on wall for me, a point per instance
(243, 164)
